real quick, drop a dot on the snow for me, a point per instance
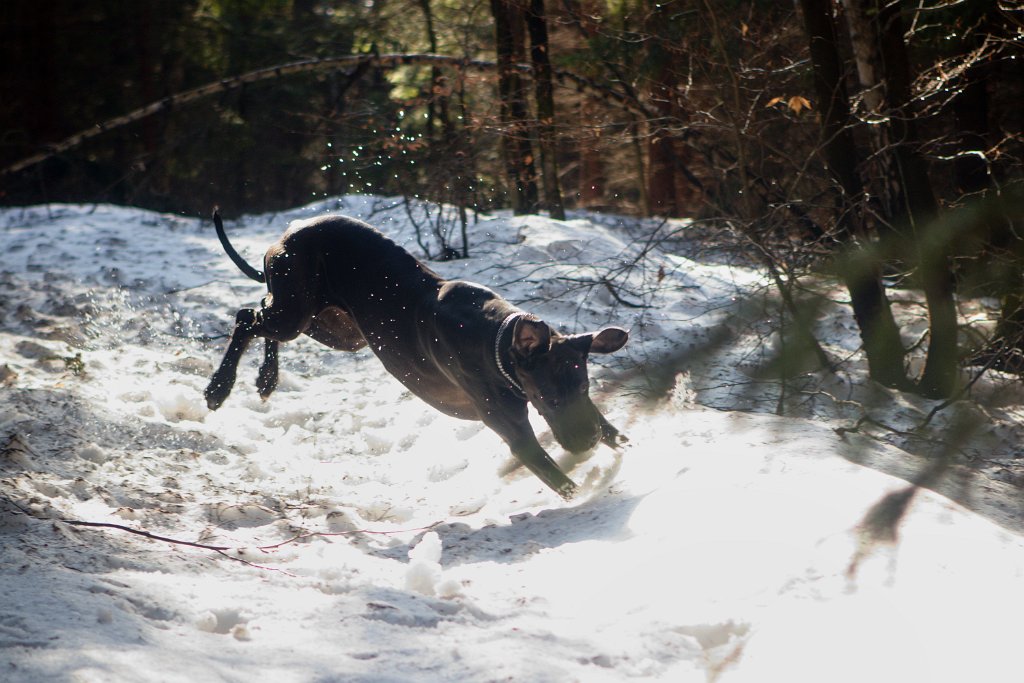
(366, 537)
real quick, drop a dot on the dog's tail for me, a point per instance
(234, 255)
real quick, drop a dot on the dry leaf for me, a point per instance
(798, 104)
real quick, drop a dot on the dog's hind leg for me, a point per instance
(286, 312)
(334, 328)
(266, 381)
(223, 379)
(331, 327)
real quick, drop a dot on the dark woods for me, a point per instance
(887, 134)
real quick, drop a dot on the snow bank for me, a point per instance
(342, 530)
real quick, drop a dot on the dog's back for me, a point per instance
(354, 263)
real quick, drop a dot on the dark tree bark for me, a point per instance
(536, 22)
(661, 174)
(861, 274)
(516, 146)
(940, 376)
(877, 33)
(42, 99)
(663, 164)
(592, 179)
(437, 101)
(971, 109)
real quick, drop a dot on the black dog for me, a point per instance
(457, 345)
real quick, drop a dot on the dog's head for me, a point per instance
(552, 369)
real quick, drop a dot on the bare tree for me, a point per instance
(516, 145)
(877, 34)
(536, 22)
(861, 272)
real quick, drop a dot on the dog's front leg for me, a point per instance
(514, 427)
(611, 436)
(532, 454)
(223, 379)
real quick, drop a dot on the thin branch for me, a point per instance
(145, 534)
(315, 534)
(222, 550)
(959, 394)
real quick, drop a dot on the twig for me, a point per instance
(611, 290)
(313, 534)
(222, 550)
(144, 534)
(253, 564)
(179, 290)
(958, 395)
(867, 419)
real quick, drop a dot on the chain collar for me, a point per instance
(497, 350)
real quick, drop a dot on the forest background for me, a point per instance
(877, 139)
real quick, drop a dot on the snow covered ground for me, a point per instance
(365, 537)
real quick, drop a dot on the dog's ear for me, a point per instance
(530, 337)
(608, 340)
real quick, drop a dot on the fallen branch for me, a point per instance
(143, 533)
(222, 550)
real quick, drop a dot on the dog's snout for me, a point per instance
(576, 426)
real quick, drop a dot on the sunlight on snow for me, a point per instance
(370, 536)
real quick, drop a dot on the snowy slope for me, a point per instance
(369, 538)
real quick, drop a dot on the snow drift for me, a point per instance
(344, 531)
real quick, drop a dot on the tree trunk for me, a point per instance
(592, 179)
(865, 44)
(41, 98)
(877, 34)
(661, 161)
(516, 146)
(672, 189)
(934, 266)
(971, 110)
(437, 100)
(536, 23)
(661, 170)
(862, 273)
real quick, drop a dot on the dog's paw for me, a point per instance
(568, 490)
(266, 381)
(213, 402)
(217, 392)
(611, 436)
